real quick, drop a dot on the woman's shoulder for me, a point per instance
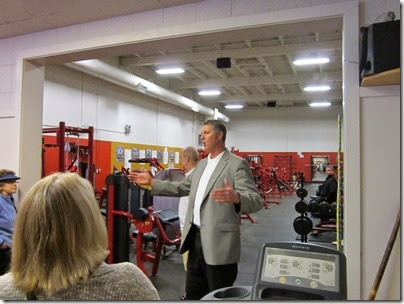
(122, 270)
(7, 289)
(130, 280)
(118, 267)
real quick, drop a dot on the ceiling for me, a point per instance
(262, 68)
(19, 17)
(261, 73)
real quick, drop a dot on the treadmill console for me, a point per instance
(293, 271)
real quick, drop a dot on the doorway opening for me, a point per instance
(318, 165)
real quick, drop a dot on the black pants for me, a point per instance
(5, 259)
(203, 278)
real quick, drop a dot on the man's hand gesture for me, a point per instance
(142, 178)
(226, 194)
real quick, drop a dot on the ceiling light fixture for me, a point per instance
(168, 71)
(141, 88)
(320, 104)
(234, 106)
(308, 61)
(317, 88)
(209, 93)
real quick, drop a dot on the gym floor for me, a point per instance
(272, 225)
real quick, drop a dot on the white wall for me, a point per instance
(81, 100)
(284, 130)
(380, 177)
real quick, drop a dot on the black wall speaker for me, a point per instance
(223, 63)
(380, 49)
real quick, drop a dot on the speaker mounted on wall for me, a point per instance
(223, 63)
(380, 49)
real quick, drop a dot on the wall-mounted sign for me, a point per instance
(159, 155)
(148, 153)
(120, 154)
(135, 153)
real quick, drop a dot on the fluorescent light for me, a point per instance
(317, 88)
(311, 61)
(170, 71)
(234, 106)
(209, 93)
(320, 104)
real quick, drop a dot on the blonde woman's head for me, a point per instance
(60, 235)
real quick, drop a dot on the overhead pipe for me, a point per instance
(122, 78)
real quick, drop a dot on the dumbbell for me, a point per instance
(324, 207)
(333, 208)
(312, 206)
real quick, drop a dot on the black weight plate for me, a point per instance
(301, 192)
(301, 206)
(303, 225)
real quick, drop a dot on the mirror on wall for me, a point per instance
(318, 165)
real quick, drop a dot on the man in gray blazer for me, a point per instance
(220, 188)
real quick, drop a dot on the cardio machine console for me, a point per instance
(293, 271)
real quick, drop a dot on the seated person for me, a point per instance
(59, 248)
(295, 181)
(328, 190)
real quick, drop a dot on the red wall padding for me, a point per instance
(298, 164)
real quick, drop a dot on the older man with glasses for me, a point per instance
(8, 211)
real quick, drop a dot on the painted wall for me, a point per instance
(136, 25)
(380, 142)
(82, 100)
(284, 129)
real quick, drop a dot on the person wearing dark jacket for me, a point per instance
(328, 190)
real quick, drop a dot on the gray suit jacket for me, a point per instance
(220, 228)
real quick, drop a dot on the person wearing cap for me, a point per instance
(8, 186)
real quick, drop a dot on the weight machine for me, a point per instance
(61, 143)
(141, 214)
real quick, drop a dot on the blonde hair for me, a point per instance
(60, 236)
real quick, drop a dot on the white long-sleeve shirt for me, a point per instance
(183, 205)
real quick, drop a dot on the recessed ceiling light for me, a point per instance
(320, 104)
(234, 106)
(308, 61)
(209, 93)
(317, 88)
(170, 71)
